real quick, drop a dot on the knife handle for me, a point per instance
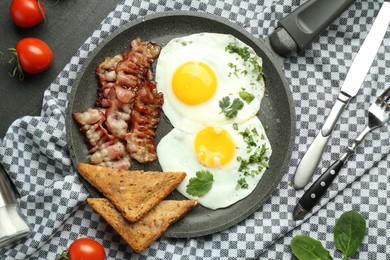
(298, 29)
(319, 187)
(310, 160)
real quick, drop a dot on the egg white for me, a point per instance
(233, 75)
(176, 153)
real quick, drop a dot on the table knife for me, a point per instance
(355, 77)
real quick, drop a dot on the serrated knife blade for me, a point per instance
(353, 81)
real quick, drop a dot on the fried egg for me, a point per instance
(234, 155)
(198, 72)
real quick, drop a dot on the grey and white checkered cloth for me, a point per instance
(35, 154)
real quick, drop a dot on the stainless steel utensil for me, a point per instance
(378, 115)
(13, 225)
(350, 88)
(7, 194)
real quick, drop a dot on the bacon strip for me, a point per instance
(131, 74)
(122, 126)
(106, 74)
(105, 149)
(118, 113)
(144, 120)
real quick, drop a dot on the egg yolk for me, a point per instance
(194, 83)
(214, 147)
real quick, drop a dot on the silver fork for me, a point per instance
(378, 115)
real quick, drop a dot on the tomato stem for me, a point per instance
(18, 68)
(63, 256)
(41, 10)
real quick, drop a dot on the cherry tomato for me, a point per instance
(27, 13)
(86, 249)
(34, 55)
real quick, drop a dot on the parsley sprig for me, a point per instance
(201, 184)
(230, 109)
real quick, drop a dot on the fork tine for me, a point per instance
(387, 98)
(379, 111)
(384, 99)
(385, 94)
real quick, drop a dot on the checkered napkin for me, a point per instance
(34, 150)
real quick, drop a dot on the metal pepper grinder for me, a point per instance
(13, 224)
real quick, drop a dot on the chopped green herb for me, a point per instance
(235, 126)
(246, 56)
(257, 157)
(234, 67)
(248, 138)
(246, 96)
(257, 69)
(242, 52)
(230, 109)
(201, 184)
(254, 131)
(242, 184)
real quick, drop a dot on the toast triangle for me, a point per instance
(141, 234)
(133, 193)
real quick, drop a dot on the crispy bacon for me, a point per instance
(106, 74)
(144, 120)
(131, 73)
(148, 49)
(104, 148)
(122, 126)
(118, 113)
(135, 67)
(90, 123)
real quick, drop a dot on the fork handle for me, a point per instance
(317, 190)
(352, 148)
(319, 187)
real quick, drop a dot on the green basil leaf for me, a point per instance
(307, 248)
(349, 232)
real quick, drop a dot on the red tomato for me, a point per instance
(27, 13)
(86, 249)
(34, 55)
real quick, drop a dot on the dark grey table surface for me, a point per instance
(68, 24)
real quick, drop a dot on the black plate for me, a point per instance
(277, 112)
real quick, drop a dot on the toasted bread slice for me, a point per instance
(141, 234)
(133, 193)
